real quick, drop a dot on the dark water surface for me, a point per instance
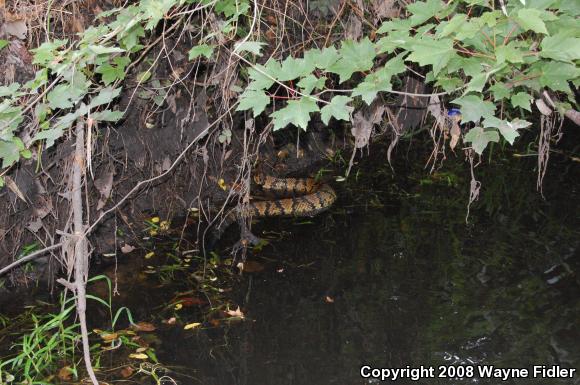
(393, 277)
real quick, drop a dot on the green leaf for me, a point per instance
(529, 19)
(509, 130)
(479, 138)
(428, 51)
(473, 108)
(395, 25)
(354, 56)
(322, 58)
(556, 75)
(3, 43)
(449, 83)
(63, 96)
(379, 80)
(561, 47)
(154, 10)
(259, 78)
(500, 91)
(394, 40)
(294, 68)
(510, 53)
(250, 46)
(337, 108)
(453, 25)
(254, 100)
(10, 90)
(45, 53)
(201, 50)
(311, 82)
(129, 39)
(297, 112)
(9, 153)
(522, 100)
(105, 96)
(424, 10)
(101, 49)
(115, 71)
(107, 115)
(50, 135)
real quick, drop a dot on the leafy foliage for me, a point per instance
(481, 57)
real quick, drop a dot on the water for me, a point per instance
(391, 277)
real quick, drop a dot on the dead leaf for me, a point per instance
(127, 372)
(384, 9)
(455, 134)
(16, 28)
(235, 313)
(363, 122)
(108, 337)
(139, 356)
(14, 188)
(34, 226)
(192, 325)
(353, 27)
(126, 248)
(144, 327)
(104, 183)
(65, 373)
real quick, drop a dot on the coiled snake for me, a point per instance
(302, 197)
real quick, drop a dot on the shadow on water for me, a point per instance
(393, 276)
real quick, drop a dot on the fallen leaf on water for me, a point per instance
(192, 325)
(235, 313)
(125, 249)
(65, 373)
(144, 327)
(127, 371)
(138, 356)
(149, 254)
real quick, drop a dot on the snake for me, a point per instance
(298, 197)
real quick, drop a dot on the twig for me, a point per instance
(29, 257)
(81, 253)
